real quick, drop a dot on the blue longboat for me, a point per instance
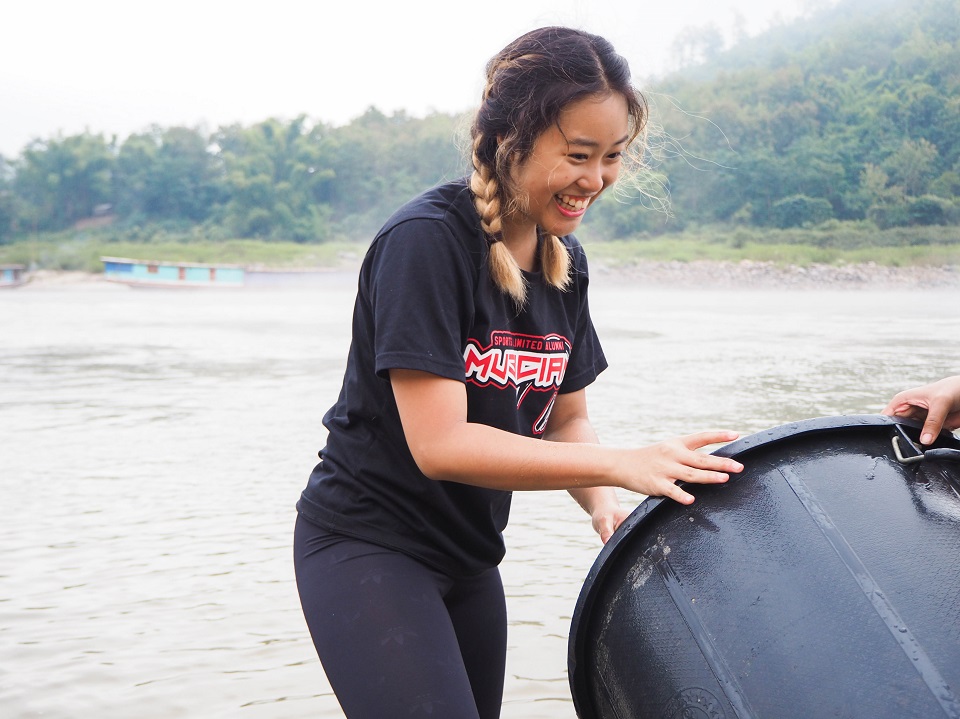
(159, 273)
(12, 276)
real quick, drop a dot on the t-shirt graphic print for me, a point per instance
(532, 366)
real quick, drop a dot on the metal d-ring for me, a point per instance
(900, 457)
(942, 454)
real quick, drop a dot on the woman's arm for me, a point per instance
(433, 411)
(569, 422)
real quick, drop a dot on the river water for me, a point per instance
(153, 444)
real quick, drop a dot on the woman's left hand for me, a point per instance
(607, 519)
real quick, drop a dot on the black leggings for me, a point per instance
(397, 638)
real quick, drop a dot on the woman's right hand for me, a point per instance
(656, 469)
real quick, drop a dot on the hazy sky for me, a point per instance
(118, 66)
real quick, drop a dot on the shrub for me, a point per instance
(800, 210)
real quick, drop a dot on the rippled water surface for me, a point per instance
(153, 444)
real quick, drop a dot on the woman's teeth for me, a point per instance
(574, 203)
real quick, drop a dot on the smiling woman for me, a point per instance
(538, 166)
(472, 344)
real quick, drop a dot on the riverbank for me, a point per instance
(745, 274)
(749, 274)
(97, 281)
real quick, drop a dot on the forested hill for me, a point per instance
(849, 115)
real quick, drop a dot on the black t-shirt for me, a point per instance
(426, 301)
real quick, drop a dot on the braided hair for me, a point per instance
(528, 85)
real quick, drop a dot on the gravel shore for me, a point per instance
(745, 274)
(768, 275)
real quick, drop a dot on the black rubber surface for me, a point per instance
(823, 581)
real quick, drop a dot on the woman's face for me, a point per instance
(571, 164)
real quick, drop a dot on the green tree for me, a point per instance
(380, 161)
(926, 210)
(873, 190)
(913, 165)
(800, 210)
(167, 174)
(275, 181)
(135, 164)
(64, 179)
(185, 181)
(8, 202)
(947, 185)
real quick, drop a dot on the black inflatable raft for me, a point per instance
(823, 581)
